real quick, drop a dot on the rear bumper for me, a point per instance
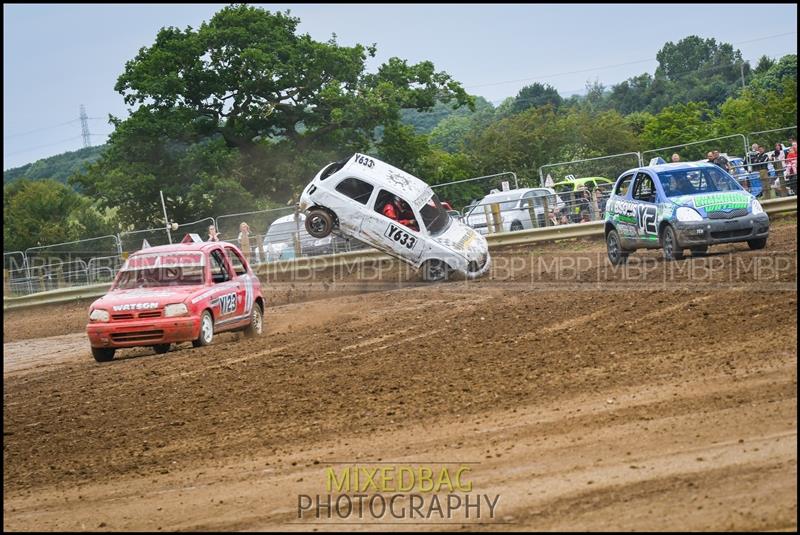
(137, 333)
(714, 231)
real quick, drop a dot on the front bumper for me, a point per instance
(714, 231)
(138, 332)
(482, 271)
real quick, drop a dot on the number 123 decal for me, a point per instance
(227, 303)
(400, 236)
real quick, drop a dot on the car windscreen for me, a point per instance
(695, 181)
(158, 270)
(434, 216)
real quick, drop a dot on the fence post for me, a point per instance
(532, 211)
(488, 214)
(497, 218)
(546, 207)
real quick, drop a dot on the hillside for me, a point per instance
(58, 167)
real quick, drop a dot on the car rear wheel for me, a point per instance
(319, 223)
(672, 251)
(616, 254)
(161, 348)
(206, 330)
(103, 354)
(435, 271)
(758, 243)
(256, 325)
(515, 226)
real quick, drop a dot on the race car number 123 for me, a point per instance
(400, 236)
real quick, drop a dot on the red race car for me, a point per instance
(176, 293)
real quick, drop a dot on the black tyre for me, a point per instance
(435, 271)
(319, 223)
(515, 226)
(103, 354)
(256, 325)
(206, 330)
(161, 348)
(756, 244)
(669, 243)
(616, 254)
(700, 251)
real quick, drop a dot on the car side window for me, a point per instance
(356, 189)
(219, 271)
(236, 261)
(644, 189)
(398, 210)
(624, 184)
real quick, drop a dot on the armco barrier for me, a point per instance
(522, 237)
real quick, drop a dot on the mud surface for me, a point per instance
(661, 397)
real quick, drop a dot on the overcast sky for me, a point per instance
(57, 57)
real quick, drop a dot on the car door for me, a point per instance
(244, 290)
(390, 235)
(644, 200)
(226, 300)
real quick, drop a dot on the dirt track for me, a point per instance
(662, 397)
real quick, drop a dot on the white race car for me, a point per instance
(372, 201)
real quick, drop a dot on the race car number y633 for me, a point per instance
(400, 236)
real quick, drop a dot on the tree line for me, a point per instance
(240, 113)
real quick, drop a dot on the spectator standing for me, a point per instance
(721, 161)
(553, 219)
(213, 235)
(676, 158)
(751, 155)
(777, 154)
(790, 162)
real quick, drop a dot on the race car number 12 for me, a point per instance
(400, 236)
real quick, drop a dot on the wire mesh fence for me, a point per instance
(133, 240)
(61, 265)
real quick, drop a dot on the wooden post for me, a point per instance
(546, 211)
(498, 220)
(488, 213)
(260, 248)
(532, 211)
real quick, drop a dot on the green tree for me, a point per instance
(678, 124)
(45, 212)
(270, 105)
(535, 95)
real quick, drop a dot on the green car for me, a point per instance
(576, 184)
(569, 190)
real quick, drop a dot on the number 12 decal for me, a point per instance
(400, 236)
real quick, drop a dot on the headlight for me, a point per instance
(178, 309)
(686, 214)
(99, 315)
(756, 207)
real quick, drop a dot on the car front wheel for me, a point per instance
(758, 243)
(206, 330)
(616, 254)
(103, 354)
(669, 242)
(435, 271)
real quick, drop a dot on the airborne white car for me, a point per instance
(348, 197)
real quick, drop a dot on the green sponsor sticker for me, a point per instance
(721, 201)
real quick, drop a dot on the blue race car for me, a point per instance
(678, 206)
